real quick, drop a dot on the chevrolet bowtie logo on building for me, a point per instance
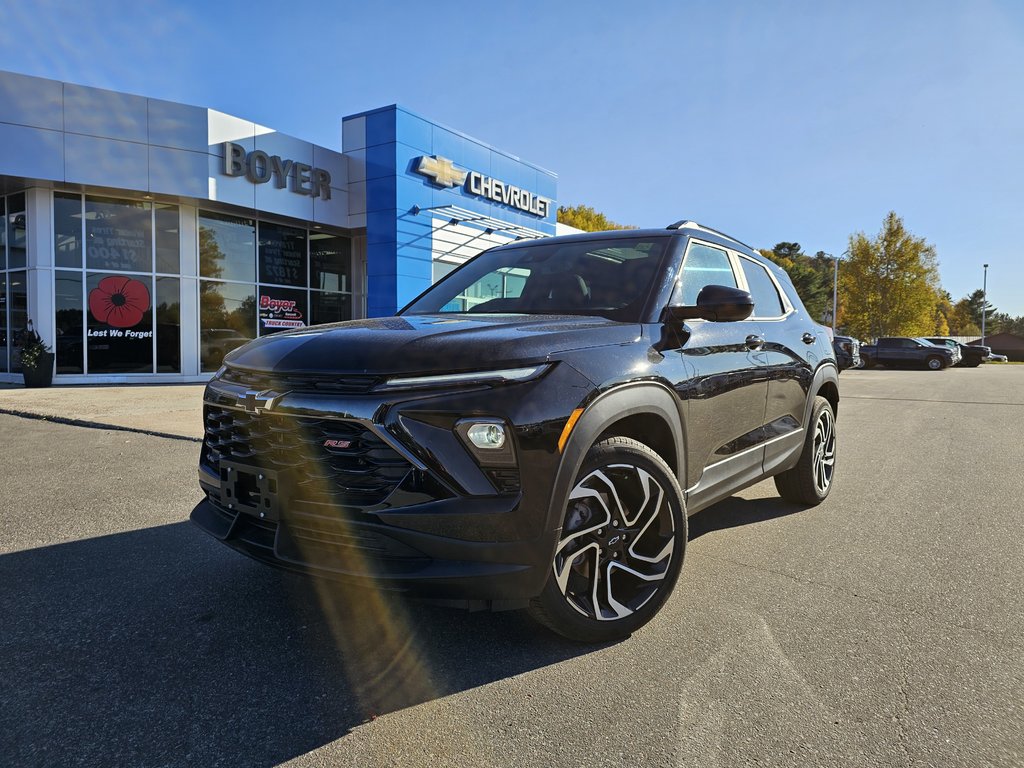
(257, 402)
(442, 170)
(446, 174)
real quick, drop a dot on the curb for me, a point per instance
(96, 425)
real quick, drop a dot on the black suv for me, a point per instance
(971, 356)
(847, 351)
(532, 431)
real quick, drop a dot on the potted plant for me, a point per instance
(36, 359)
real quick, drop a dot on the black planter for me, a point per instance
(42, 374)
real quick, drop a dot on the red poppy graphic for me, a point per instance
(119, 301)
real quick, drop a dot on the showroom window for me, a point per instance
(260, 277)
(13, 288)
(116, 285)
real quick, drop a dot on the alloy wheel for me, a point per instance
(824, 450)
(618, 542)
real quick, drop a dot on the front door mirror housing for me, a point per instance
(717, 303)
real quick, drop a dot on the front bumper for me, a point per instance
(385, 557)
(380, 488)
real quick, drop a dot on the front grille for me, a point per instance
(302, 382)
(358, 470)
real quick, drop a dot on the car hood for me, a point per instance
(426, 343)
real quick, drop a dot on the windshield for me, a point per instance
(612, 278)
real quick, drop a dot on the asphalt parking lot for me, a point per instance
(883, 628)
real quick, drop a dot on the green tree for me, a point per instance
(976, 303)
(890, 283)
(586, 218)
(813, 283)
(1013, 325)
(960, 321)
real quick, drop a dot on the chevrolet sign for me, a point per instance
(445, 173)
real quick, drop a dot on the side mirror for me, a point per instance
(718, 303)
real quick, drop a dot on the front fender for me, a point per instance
(599, 414)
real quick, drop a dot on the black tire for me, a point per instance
(974, 364)
(810, 481)
(619, 476)
(866, 362)
(935, 363)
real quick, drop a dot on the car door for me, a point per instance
(889, 351)
(792, 347)
(723, 381)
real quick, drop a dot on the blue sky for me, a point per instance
(800, 121)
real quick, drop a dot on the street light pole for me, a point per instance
(835, 288)
(835, 294)
(984, 301)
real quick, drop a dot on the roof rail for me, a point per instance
(687, 223)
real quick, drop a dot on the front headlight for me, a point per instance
(501, 376)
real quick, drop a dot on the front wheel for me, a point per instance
(810, 481)
(621, 545)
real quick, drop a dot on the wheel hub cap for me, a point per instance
(617, 544)
(824, 451)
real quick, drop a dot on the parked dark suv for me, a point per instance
(532, 431)
(971, 356)
(847, 351)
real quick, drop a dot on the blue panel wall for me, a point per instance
(392, 140)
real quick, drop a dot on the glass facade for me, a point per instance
(118, 292)
(260, 277)
(17, 231)
(4, 365)
(17, 317)
(13, 287)
(68, 329)
(106, 263)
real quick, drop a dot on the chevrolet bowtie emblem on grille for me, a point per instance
(442, 170)
(257, 402)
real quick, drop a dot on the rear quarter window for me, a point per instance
(767, 302)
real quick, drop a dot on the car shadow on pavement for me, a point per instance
(161, 647)
(734, 512)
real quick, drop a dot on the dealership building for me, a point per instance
(144, 239)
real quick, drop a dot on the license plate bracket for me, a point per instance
(251, 490)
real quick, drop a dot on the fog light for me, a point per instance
(487, 436)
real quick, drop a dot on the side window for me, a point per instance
(766, 298)
(704, 265)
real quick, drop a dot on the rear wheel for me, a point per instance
(866, 362)
(935, 363)
(810, 481)
(621, 546)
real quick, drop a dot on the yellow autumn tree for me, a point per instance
(890, 283)
(586, 218)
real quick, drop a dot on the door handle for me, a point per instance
(808, 338)
(754, 341)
